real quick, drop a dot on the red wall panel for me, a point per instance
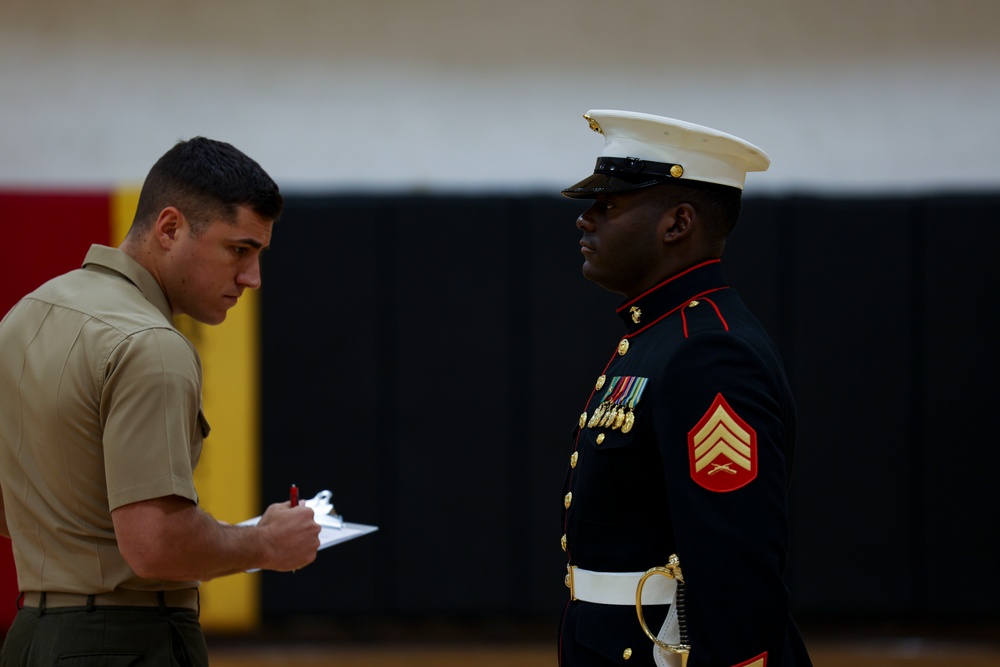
(41, 235)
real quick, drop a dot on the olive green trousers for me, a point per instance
(105, 637)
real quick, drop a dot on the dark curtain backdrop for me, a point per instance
(426, 358)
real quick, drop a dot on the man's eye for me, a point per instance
(240, 250)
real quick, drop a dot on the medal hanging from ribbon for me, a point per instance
(617, 408)
(602, 408)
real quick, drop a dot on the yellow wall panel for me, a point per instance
(228, 474)
(124, 201)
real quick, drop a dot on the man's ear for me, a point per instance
(167, 226)
(680, 221)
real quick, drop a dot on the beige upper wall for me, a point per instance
(453, 95)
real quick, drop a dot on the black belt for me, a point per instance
(185, 598)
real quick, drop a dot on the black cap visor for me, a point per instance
(598, 184)
(612, 174)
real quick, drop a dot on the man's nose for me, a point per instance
(584, 223)
(250, 275)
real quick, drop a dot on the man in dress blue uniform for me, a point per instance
(676, 494)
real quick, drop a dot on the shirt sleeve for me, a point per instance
(150, 412)
(723, 432)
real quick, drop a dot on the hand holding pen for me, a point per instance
(292, 534)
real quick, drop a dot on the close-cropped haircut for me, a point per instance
(717, 205)
(206, 179)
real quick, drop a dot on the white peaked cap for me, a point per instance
(642, 150)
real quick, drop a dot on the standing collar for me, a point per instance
(657, 302)
(117, 261)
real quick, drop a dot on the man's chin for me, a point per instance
(593, 276)
(601, 280)
(591, 272)
(209, 319)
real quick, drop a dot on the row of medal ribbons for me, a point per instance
(624, 392)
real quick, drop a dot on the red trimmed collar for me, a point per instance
(673, 293)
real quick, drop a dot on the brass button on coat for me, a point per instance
(562, 542)
(627, 653)
(573, 459)
(623, 347)
(568, 499)
(600, 438)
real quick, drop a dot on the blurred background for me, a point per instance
(424, 340)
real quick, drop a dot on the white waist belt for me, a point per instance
(618, 587)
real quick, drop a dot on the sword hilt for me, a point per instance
(672, 571)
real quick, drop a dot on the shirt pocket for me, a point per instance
(610, 464)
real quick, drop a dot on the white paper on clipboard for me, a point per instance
(333, 529)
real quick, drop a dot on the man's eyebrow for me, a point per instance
(253, 243)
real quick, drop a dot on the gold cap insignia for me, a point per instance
(677, 171)
(594, 125)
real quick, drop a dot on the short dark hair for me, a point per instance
(717, 205)
(206, 179)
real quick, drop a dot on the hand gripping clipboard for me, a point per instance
(333, 529)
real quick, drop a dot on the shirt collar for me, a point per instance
(117, 261)
(657, 302)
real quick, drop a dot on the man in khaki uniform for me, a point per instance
(101, 426)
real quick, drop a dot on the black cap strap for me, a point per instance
(625, 167)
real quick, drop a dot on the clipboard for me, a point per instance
(333, 529)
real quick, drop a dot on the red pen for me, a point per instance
(293, 496)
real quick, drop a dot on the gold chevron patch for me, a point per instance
(722, 449)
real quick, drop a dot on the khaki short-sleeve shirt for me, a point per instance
(101, 408)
